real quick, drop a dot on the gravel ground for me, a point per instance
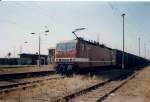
(136, 90)
(48, 90)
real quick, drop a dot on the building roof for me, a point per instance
(32, 54)
(51, 48)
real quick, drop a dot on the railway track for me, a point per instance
(25, 74)
(26, 83)
(96, 92)
(16, 66)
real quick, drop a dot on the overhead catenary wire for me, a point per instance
(32, 7)
(117, 11)
(12, 21)
(42, 11)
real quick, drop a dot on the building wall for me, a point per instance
(9, 61)
(51, 56)
(32, 59)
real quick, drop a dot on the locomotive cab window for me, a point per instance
(66, 46)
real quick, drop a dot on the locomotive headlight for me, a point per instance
(70, 59)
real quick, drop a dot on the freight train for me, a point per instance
(80, 55)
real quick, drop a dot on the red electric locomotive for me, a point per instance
(79, 54)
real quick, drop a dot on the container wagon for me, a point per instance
(130, 60)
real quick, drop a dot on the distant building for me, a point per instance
(32, 59)
(51, 55)
(25, 59)
(9, 61)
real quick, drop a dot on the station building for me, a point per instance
(32, 59)
(9, 61)
(51, 55)
(25, 59)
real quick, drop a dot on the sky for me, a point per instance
(18, 19)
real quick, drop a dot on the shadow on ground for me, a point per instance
(111, 73)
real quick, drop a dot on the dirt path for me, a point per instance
(136, 90)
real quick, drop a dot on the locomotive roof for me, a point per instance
(94, 43)
(88, 42)
(68, 41)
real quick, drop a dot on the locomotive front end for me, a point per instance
(65, 56)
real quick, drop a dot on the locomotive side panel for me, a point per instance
(96, 55)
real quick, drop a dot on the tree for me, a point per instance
(9, 54)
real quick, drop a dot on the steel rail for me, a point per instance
(73, 94)
(23, 85)
(116, 88)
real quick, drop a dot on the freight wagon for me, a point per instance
(80, 55)
(130, 60)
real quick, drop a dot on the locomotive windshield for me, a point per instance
(66, 46)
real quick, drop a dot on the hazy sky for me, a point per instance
(19, 19)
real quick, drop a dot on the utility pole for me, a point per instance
(14, 51)
(145, 49)
(39, 50)
(148, 53)
(123, 43)
(39, 56)
(20, 49)
(98, 37)
(139, 45)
